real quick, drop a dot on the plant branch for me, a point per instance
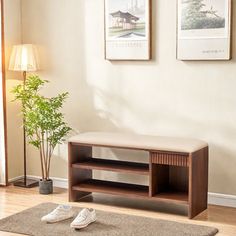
(43, 121)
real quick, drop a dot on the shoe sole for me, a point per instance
(53, 222)
(82, 226)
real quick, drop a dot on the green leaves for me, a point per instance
(43, 120)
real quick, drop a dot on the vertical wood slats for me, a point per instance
(169, 159)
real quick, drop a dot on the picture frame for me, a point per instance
(203, 30)
(127, 30)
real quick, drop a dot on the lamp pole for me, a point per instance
(24, 58)
(26, 182)
(24, 133)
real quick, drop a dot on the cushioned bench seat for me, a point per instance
(141, 142)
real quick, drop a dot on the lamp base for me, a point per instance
(26, 183)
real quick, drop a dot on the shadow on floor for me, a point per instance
(145, 205)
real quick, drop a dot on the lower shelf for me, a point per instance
(174, 197)
(115, 188)
(132, 190)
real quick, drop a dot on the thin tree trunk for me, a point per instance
(41, 156)
(49, 163)
(41, 160)
(49, 156)
(43, 151)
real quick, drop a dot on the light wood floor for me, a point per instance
(13, 200)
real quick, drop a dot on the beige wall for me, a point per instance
(161, 97)
(12, 18)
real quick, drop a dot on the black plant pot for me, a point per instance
(45, 186)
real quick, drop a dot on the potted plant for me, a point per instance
(44, 123)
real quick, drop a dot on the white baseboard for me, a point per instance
(57, 182)
(222, 199)
(213, 198)
(15, 179)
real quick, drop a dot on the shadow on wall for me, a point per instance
(94, 115)
(99, 107)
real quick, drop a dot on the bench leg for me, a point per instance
(198, 182)
(76, 154)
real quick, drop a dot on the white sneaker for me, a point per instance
(62, 212)
(84, 218)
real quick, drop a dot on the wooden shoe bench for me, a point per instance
(177, 168)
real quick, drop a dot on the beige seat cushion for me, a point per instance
(143, 142)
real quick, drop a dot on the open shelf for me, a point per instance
(110, 187)
(112, 165)
(170, 183)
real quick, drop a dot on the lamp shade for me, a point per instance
(24, 57)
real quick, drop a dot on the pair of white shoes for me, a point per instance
(64, 212)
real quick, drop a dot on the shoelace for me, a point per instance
(83, 215)
(55, 211)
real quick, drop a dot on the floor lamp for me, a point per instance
(24, 59)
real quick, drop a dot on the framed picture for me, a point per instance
(204, 30)
(128, 29)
